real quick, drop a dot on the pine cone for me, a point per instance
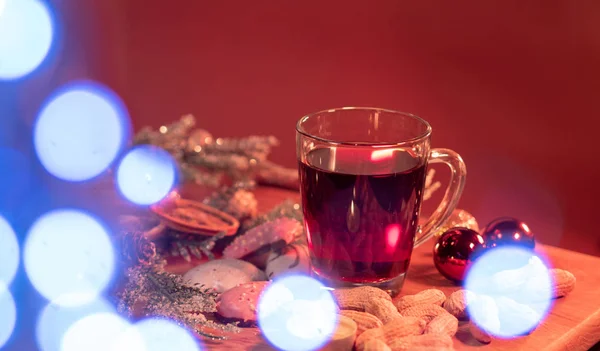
(137, 249)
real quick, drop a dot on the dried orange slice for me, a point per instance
(194, 217)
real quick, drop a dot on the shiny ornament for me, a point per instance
(508, 231)
(459, 219)
(455, 250)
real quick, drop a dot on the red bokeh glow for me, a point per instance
(392, 234)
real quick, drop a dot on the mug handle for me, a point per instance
(458, 176)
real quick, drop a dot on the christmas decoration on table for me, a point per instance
(194, 217)
(236, 201)
(180, 298)
(454, 251)
(508, 231)
(204, 159)
(151, 292)
(459, 245)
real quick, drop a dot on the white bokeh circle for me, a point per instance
(146, 175)
(80, 131)
(69, 257)
(26, 36)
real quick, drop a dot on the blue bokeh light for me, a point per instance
(15, 183)
(146, 175)
(26, 35)
(68, 257)
(9, 253)
(297, 313)
(80, 131)
(101, 332)
(509, 302)
(161, 334)
(8, 314)
(55, 319)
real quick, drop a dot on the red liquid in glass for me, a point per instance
(361, 210)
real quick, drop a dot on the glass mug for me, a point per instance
(362, 177)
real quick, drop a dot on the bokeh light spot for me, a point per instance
(509, 302)
(26, 32)
(146, 175)
(100, 332)
(8, 314)
(80, 131)
(15, 183)
(9, 253)
(382, 155)
(68, 257)
(55, 319)
(392, 234)
(297, 312)
(161, 334)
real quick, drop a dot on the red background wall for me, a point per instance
(512, 86)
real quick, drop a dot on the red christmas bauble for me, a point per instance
(508, 231)
(455, 250)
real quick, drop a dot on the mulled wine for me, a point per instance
(361, 208)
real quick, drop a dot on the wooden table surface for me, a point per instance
(573, 323)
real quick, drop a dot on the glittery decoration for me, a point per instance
(252, 147)
(149, 292)
(237, 201)
(172, 138)
(193, 174)
(205, 160)
(198, 139)
(459, 218)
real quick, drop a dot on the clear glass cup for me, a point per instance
(362, 177)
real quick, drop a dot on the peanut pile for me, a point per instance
(424, 321)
